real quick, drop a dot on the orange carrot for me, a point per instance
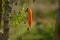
(29, 11)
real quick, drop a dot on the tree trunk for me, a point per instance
(57, 28)
(0, 18)
(0, 12)
(6, 20)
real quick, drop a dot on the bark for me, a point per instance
(6, 20)
(57, 28)
(0, 12)
(0, 18)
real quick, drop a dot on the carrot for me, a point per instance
(29, 15)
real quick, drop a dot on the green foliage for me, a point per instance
(19, 17)
(50, 14)
(46, 33)
(22, 3)
(16, 19)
